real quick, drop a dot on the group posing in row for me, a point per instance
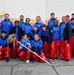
(49, 40)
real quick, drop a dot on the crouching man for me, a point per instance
(4, 48)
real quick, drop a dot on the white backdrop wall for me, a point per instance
(32, 8)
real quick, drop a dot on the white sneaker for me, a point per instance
(27, 61)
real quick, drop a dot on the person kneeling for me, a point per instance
(37, 48)
(4, 49)
(22, 51)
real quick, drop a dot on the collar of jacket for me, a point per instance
(3, 38)
(52, 19)
(6, 20)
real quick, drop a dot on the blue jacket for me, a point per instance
(72, 27)
(3, 42)
(25, 43)
(70, 21)
(33, 33)
(54, 33)
(6, 26)
(21, 24)
(39, 25)
(44, 35)
(62, 27)
(37, 46)
(51, 22)
(27, 28)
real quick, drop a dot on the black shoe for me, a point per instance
(67, 60)
(7, 59)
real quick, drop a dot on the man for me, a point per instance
(68, 18)
(65, 35)
(4, 48)
(21, 22)
(72, 16)
(72, 37)
(6, 24)
(51, 21)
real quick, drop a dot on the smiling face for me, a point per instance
(52, 16)
(27, 20)
(44, 28)
(16, 23)
(35, 28)
(64, 20)
(55, 22)
(73, 21)
(72, 16)
(38, 19)
(21, 18)
(7, 16)
(36, 37)
(3, 35)
(24, 37)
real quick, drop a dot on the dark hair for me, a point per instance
(24, 34)
(72, 19)
(3, 32)
(52, 14)
(72, 14)
(6, 14)
(56, 21)
(27, 18)
(36, 26)
(21, 15)
(38, 16)
(67, 16)
(16, 21)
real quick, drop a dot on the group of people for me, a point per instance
(47, 41)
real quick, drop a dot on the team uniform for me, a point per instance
(4, 50)
(6, 26)
(51, 22)
(27, 28)
(21, 24)
(24, 53)
(39, 25)
(37, 47)
(55, 41)
(32, 33)
(44, 37)
(72, 39)
(14, 45)
(65, 34)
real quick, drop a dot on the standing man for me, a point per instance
(72, 16)
(21, 22)
(68, 18)
(72, 37)
(51, 21)
(6, 24)
(65, 35)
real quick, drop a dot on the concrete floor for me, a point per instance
(18, 67)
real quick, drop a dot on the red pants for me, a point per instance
(14, 49)
(35, 58)
(54, 49)
(46, 48)
(4, 51)
(24, 54)
(72, 45)
(65, 52)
